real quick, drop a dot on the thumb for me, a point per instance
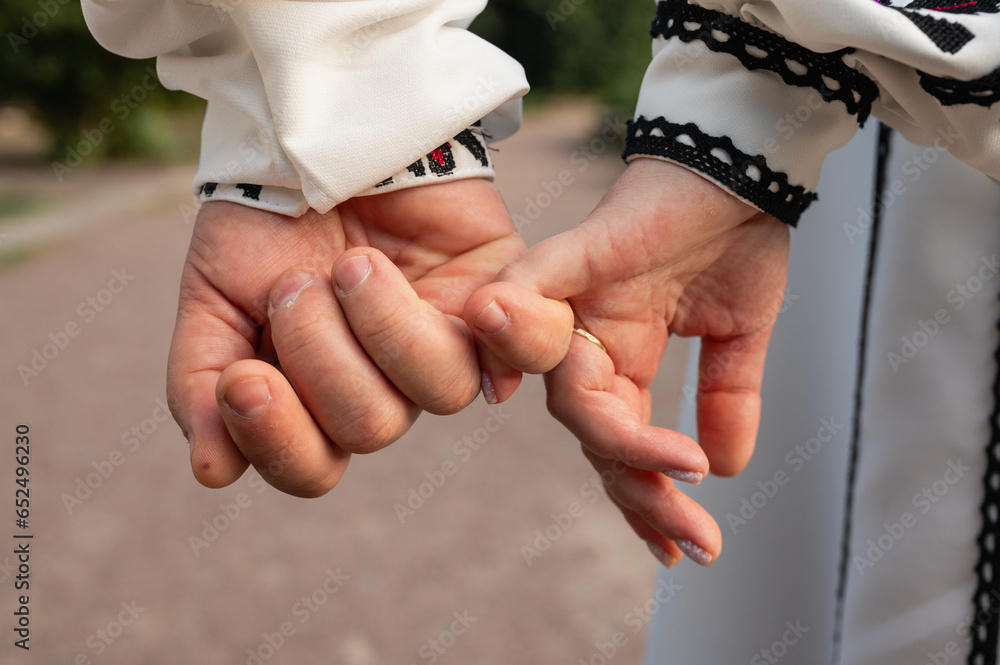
(523, 316)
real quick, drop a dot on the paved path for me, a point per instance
(145, 567)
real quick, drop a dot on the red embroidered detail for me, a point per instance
(438, 155)
(964, 4)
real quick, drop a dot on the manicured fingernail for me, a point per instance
(493, 319)
(287, 290)
(661, 555)
(248, 398)
(693, 552)
(692, 477)
(487, 386)
(352, 273)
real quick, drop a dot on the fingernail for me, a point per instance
(248, 398)
(352, 273)
(692, 477)
(487, 386)
(493, 319)
(661, 555)
(693, 552)
(191, 442)
(287, 290)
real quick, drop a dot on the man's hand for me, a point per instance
(665, 252)
(276, 364)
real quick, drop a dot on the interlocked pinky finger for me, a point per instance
(650, 501)
(665, 551)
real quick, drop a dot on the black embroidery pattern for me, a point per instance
(984, 91)
(250, 191)
(208, 189)
(441, 161)
(417, 168)
(747, 176)
(473, 144)
(947, 36)
(760, 49)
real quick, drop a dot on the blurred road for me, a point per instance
(133, 562)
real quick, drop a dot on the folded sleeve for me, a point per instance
(755, 95)
(313, 102)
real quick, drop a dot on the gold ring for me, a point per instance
(586, 335)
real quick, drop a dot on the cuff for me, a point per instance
(465, 156)
(746, 108)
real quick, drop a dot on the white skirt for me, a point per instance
(901, 591)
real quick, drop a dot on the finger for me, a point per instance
(653, 505)
(522, 316)
(730, 373)
(346, 393)
(603, 410)
(499, 380)
(664, 549)
(429, 357)
(209, 335)
(275, 432)
(522, 328)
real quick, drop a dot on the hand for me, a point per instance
(665, 252)
(275, 364)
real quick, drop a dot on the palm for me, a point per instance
(664, 253)
(237, 253)
(444, 241)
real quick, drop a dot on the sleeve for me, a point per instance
(755, 95)
(311, 103)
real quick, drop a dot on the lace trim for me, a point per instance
(747, 176)
(983, 91)
(759, 49)
(986, 628)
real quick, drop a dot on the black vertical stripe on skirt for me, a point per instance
(884, 139)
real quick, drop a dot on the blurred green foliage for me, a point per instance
(591, 47)
(50, 65)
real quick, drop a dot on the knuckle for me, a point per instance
(298, 338)
(458, 392)
(370, 429)
(316, 487)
